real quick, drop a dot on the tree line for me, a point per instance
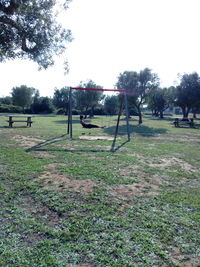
(142, 89)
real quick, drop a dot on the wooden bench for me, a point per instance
(189, 122)
(27, 119)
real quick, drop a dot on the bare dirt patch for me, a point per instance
(128, 170)
(59, 181)
(177, 137)
(43, 154)
(30, 142)
(53, 166)
(83, 265)
(38, 210)
(27, 141)
(185, 260)
(163, 163)
(88, 137)
(141, 188)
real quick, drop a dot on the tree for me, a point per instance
(111, 104)
(137, 86)
(46, 105)
(36, 107)
(22, 96)
(61, 99)
(7, 100)
(159, 99)
(41, 104)
(29, 29)
(86, 100)
(188, 93)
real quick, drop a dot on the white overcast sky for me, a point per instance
(111, 36)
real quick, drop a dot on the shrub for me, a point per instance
(10, 109)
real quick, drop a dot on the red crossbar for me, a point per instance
(98, 89)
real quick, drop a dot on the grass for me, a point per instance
(75, 203)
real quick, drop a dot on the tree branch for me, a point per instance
(22, 33)
(8, 21)
(10, 10)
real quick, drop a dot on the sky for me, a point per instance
(113, 36)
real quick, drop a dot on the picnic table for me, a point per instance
(13, 119)
(177, 122)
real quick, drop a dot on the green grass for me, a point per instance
(73, 202)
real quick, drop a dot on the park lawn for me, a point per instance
(75, 203)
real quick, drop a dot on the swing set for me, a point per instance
(123, 100)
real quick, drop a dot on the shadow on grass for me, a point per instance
(42, 146)
(66, 121)
(139, 129)
(14, 127)
(159, 119)
(196, 126)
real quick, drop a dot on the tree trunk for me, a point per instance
(185, 111)
(161, 114)
(139, 114)
(92, 112)
(140, 118)
(86, 113)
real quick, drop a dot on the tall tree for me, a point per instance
(46, 104)
(86, 100)
(29, 29)
(159, 99)
(61, 99)
(41, 104)
(7, 100)
(22, 96)
(188, 93)
(137, 86)
(111, 104)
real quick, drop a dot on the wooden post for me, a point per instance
(29, 121)
(10, 121)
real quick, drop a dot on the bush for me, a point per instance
(60, 111)
(43, 105)
(99, 111)
(10, 109)
(75, 112)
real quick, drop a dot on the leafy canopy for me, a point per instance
(188, 93)
(29, 30)
(61, 98)
(137, 86)
(86, 100)
(22, 96)
(159, 99)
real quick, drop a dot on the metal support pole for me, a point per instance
(70, 113)
(68, 121)
(117, 127)
(127, 116)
